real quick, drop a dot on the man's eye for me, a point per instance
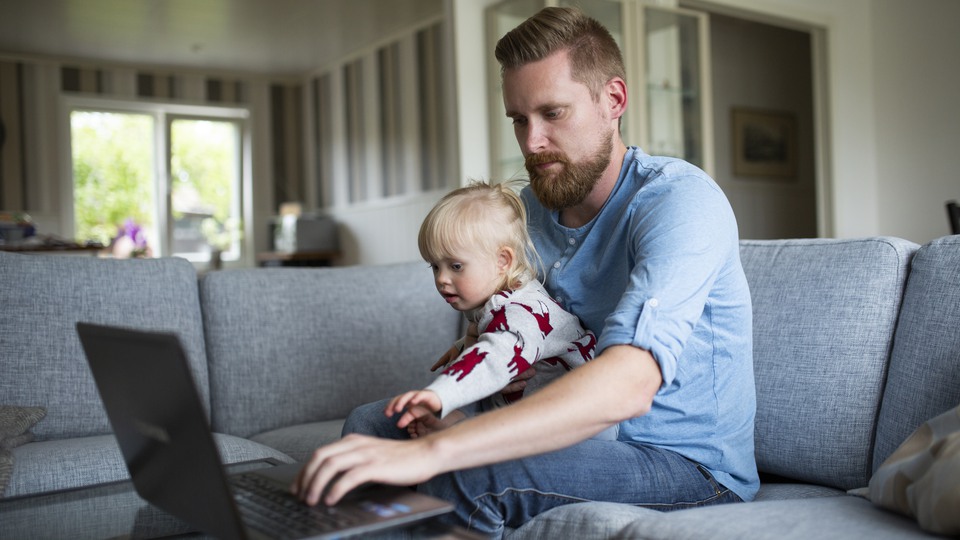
(553, 115)
(519, 121)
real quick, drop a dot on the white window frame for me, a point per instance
(164, 113)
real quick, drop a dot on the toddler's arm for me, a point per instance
(468, 340)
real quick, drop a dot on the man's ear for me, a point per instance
(505, 256)
(616, 93)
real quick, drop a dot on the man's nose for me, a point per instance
(532, 137)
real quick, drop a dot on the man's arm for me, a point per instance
(617, 385)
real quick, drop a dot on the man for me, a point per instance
(645, 251)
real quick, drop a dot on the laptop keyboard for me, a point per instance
(271, 510)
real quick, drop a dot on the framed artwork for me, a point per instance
(764, 143)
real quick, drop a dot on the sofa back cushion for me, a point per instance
(41, 299)
(293, 345)
(924, 376)
(824, 315)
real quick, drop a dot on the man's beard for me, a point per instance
(571, 185)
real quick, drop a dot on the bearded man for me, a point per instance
(645, 250)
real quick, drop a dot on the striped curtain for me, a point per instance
(152, 85)
(13, 174)
(286, 112)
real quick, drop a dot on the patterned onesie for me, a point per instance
(517, 329)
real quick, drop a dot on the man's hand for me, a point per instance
(447, 357)
(519, 382)
(414, 405)
(336, 469)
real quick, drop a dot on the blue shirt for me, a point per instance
(659, 268)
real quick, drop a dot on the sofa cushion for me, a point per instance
(583, 521)
(289, 346)
(778, 491)
(822, 517)
(824, 316)
(15, 424)
(300, 441)
(82, 461)
(43, 297)
(924, 376)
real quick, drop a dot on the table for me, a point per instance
(53, 249)
(111, 510)
(114, 510)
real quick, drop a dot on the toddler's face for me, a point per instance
(467, 280)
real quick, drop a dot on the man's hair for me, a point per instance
(480, 218)
(595, 57)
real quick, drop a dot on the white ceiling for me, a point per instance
(263, 36)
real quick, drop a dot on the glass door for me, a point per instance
(205, 172)
(115, 182)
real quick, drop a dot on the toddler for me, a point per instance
(477, 244)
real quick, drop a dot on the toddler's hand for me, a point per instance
(413, 405)
(430, 423)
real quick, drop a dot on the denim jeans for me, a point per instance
(509, 494)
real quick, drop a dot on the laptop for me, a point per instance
(156, 413)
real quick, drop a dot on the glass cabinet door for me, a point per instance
(675, 87)
(507, 160)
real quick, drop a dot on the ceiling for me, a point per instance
(278, 37)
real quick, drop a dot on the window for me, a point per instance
(152, 180)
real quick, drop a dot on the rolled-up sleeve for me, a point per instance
(677, 246)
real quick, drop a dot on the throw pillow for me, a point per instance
(922, 478)
(15, 424)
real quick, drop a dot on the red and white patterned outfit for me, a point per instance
(516, 330)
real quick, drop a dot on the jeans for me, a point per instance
(509, 494)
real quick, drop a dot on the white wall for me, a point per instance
(471, 55)
(387, 233)
(916, 82)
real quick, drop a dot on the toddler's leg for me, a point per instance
(369, 419)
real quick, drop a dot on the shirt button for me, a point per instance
(653, 302)
(571, 241)
(556, 264)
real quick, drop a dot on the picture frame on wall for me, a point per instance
(764, 143)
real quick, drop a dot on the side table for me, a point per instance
(115, 511)
(111, 510)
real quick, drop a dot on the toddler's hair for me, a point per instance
(480, 218)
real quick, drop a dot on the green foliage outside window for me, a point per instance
(203, 167)
(112, 172)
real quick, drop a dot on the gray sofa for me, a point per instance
(856, 344)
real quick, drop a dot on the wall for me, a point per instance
(381, 127)
(762, 67)
(917, 86)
